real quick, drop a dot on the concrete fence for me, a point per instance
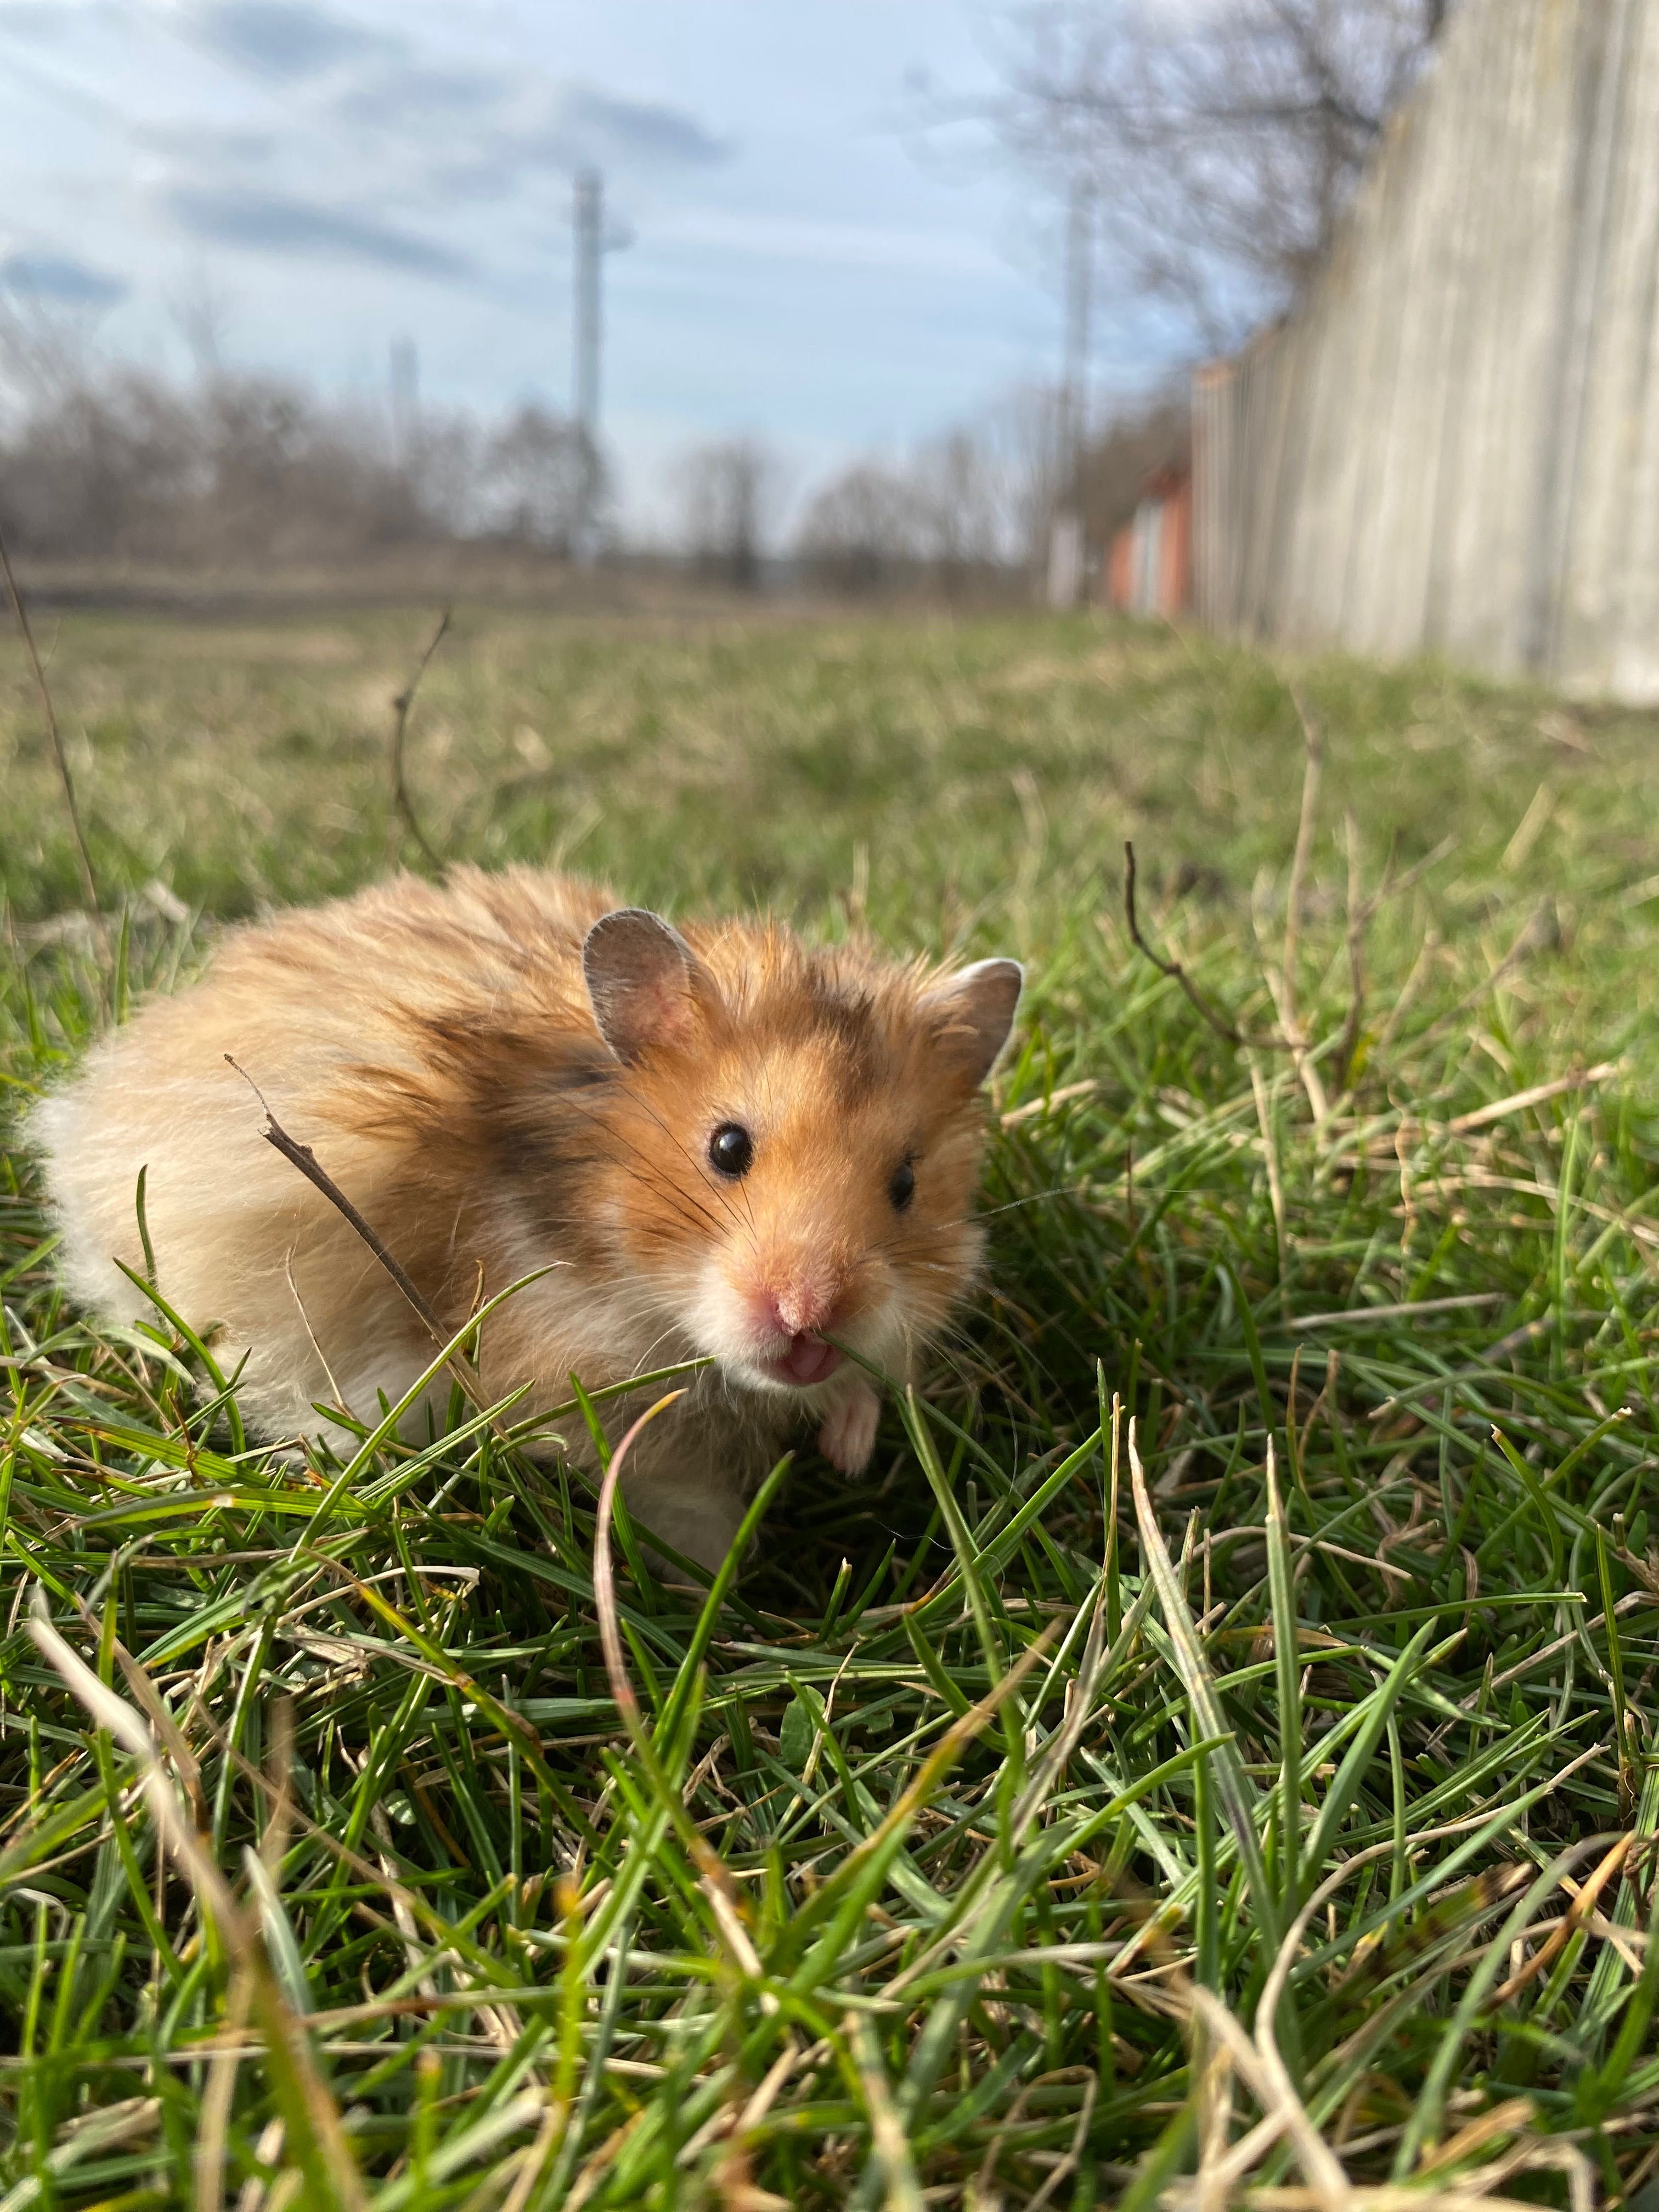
(1452, 445)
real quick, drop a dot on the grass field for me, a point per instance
(1265, 1812)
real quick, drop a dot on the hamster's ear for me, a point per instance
(974, 1012)
(643, 981)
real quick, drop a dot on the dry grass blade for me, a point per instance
(891, 2146)
(217, 2101)
(1577, 1911)
(605, 1572)
(312, 2116)
(1196, 1680)
(1283, 2113)
(88, 880)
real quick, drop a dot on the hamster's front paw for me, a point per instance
(848, 1435)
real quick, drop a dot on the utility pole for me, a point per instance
(593, 240)
(406, 389)
(1079, 270)
(588, 211)
(1066, 541)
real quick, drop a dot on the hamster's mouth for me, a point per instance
(807, 1360)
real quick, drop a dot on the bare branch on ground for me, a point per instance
(400, 707)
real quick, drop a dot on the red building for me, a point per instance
(1149, 563)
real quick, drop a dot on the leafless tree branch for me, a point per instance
(1225, 144)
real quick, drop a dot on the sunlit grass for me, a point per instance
(989, 1844)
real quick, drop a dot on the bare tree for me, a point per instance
(1222, 138)
(45, 350)
(727, 494)
(1023, 438)
(546, 477)
(865, 532)
(961, 509)
(968, 511)
(102, 461)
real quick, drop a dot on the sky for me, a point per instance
(324, 177)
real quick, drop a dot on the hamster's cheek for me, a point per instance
(711, 1314)
(882, 1334)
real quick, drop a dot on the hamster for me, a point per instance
(718, 1143)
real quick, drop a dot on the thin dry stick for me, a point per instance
(1303, 853)
(1539, 1095)
(301, 1157)
(400, 707)
(88, 880)
(1176, 974)
(1361, 915)
(1358, 916)
(1533, 934)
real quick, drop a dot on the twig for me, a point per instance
(1176, 974)
(1531, 937)
(1304, 836)
(302, 1156)
(400, 707)
(88, 880)
(1359, 915)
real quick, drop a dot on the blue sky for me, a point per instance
(334, 173)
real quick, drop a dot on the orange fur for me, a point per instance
(445, 1055)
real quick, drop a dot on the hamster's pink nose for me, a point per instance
(804, 1307)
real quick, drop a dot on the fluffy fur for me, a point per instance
(499, 1086)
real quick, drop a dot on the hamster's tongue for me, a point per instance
(809, 1360)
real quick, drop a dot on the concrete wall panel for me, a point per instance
(1452, 443)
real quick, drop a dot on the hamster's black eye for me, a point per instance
(903, 1188)
(731, 1149)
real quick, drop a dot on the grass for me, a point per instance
(1041, 1821)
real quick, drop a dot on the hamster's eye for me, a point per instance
(731, 1149)
(903, 1188)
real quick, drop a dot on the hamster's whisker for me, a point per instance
(697, 1168)
(681, 1201)
(1032, 1198)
